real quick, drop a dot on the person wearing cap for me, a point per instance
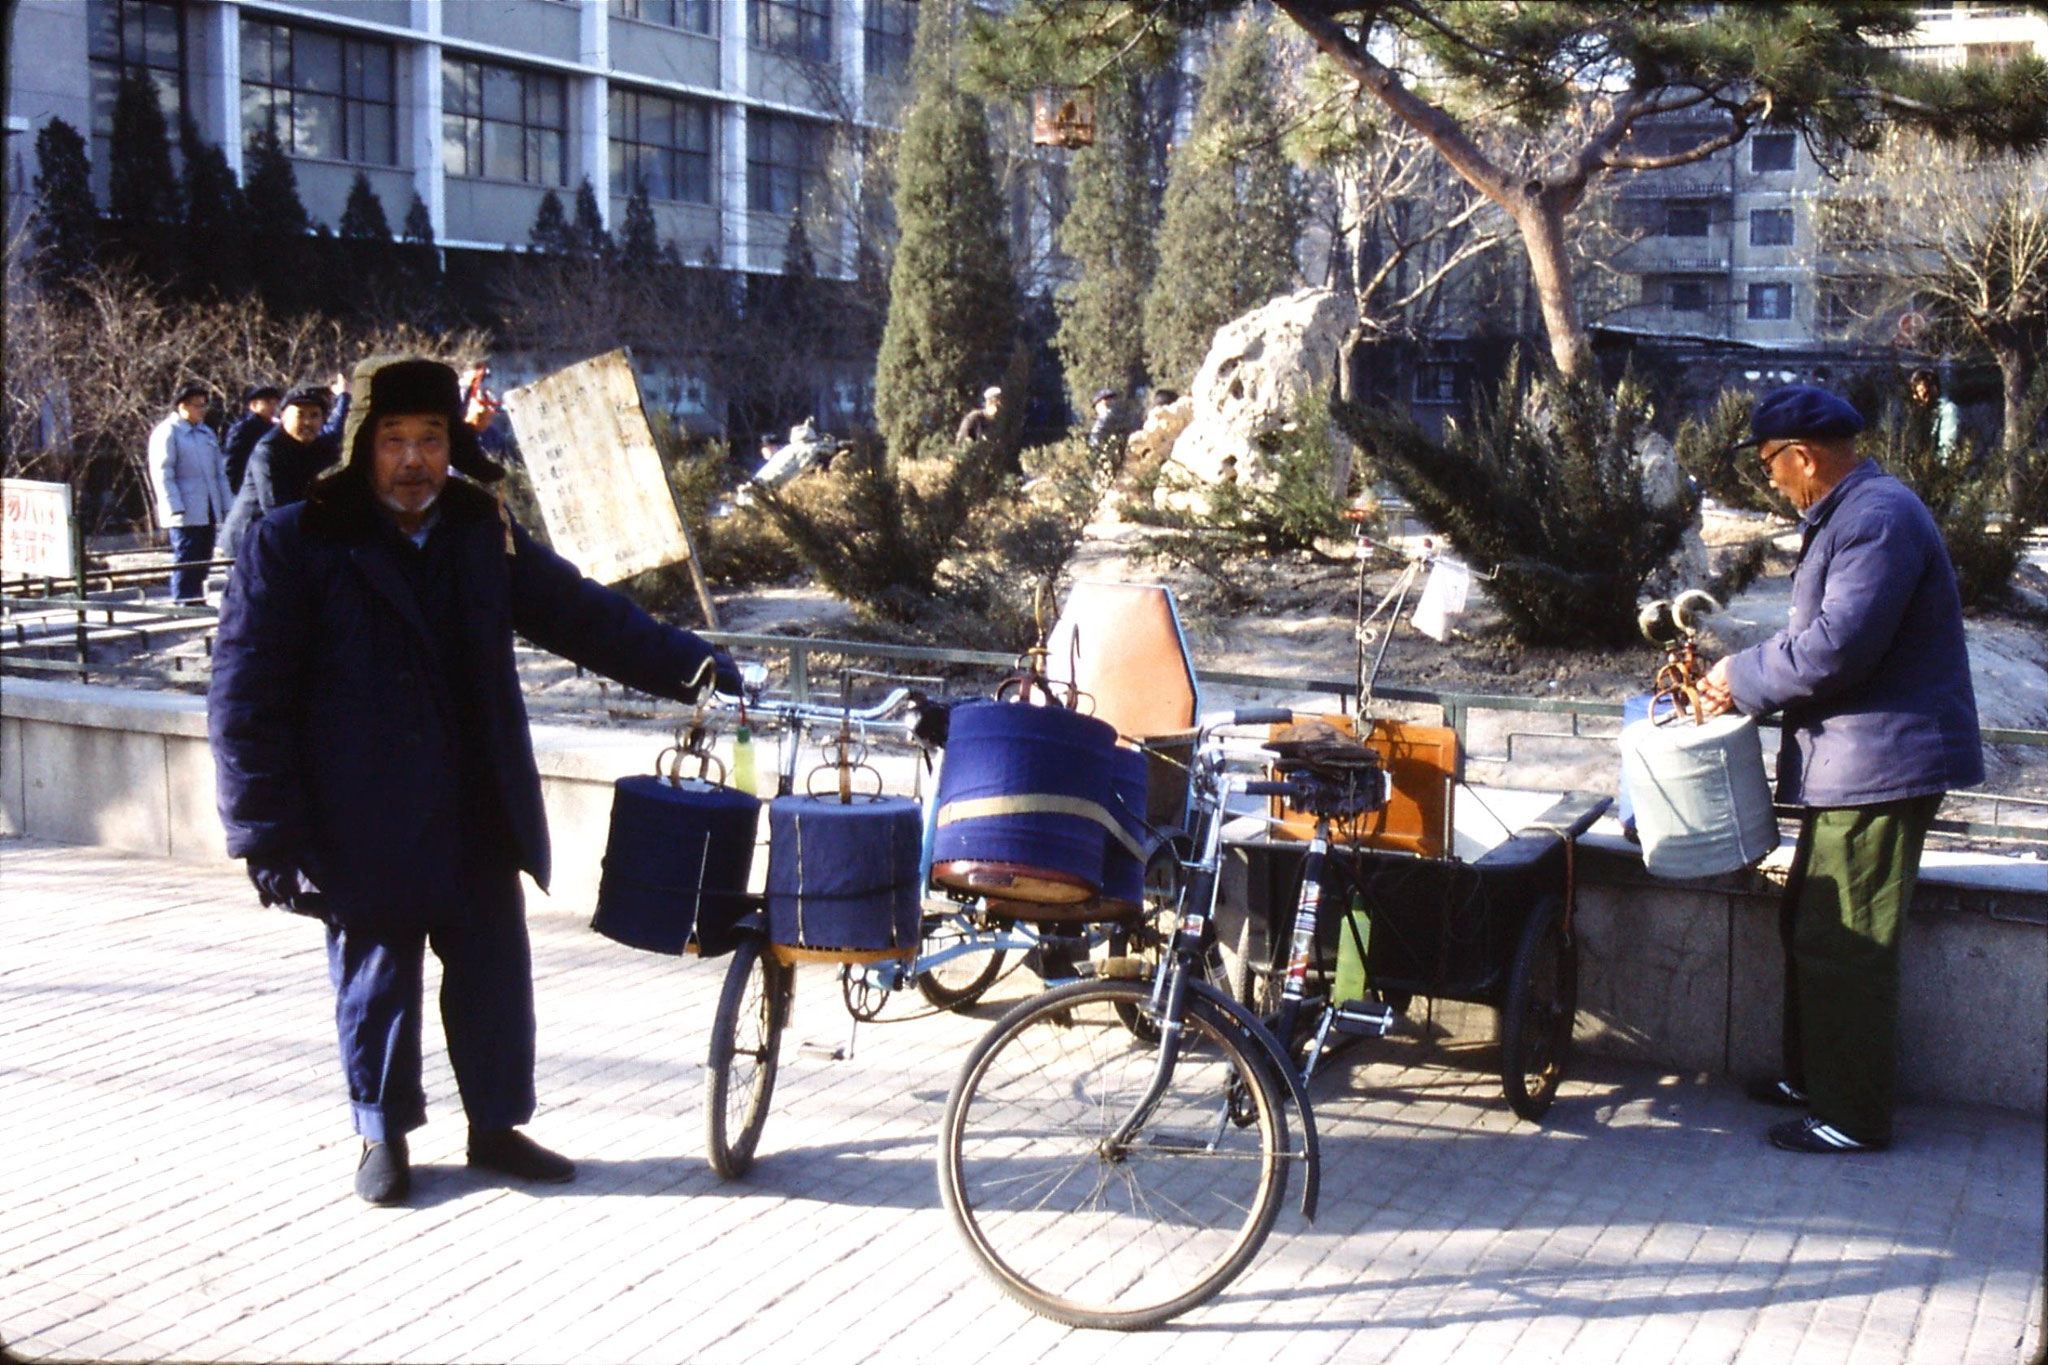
(191, 487)
(1872, 680)
(284, 463)
(258, 419)
(980, 423)
(374, 764)
(1105, 426)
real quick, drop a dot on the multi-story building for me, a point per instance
(726, 110)
(1752, 257)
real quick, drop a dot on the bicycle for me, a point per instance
(1113, 1177)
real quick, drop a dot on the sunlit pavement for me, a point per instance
(177, 1162)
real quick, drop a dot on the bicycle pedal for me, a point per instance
(1123, 969)
(831, 1052)
(1368, 1018)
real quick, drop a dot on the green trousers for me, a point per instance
(1843, 913)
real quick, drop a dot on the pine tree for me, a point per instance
(216, 228)
(587, 234)
(1232, 212)
(549, 234)
(1107, 233)
(67, 223)
(639, 239)
(142, 188)
(952, 297)
(362, 217)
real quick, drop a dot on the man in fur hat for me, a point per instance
(375, 768)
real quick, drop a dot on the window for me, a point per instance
(691, 16)
(142, 37)
(1687, 218)
(1847, 304)
(886, 42)
(662, 143)
(1436, 381)
(795, 28)
(327, 96)
(785, 162)
(1687, 296)
(1770, 152)
(502, 123)
(1770, 227)
(1849, 224)
(1770, 302)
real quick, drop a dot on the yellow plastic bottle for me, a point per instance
(743, 761)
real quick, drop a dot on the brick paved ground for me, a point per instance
(177, 1187)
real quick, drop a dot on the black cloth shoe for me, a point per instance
(1811, 1135)
(384, 1175)
(1782, 1094)
(511, 1152)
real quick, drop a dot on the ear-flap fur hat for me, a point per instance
(396, 386)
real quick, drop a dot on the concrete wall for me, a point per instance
(1679, 974)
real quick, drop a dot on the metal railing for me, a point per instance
(1455, 708)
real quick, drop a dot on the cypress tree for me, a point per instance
(1107, 233)
(278, 223)
(549, 234)
(952, 297)
(362, 217)
(142, 189)
(1232, 212)
(587, 234)
(419, 224)
(66, 225)
(216, 229)
(639, 239)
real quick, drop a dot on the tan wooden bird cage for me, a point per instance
(1063, 117)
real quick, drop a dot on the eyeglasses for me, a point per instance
(1766, 457)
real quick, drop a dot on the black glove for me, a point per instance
(279, 881)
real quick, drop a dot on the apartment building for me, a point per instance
(725, 108)
(1752, 254)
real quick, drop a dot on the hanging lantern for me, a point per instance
(1063, 117)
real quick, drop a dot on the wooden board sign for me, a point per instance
(596, 473)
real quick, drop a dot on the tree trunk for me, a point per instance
(2016, 376)
(1542, 227)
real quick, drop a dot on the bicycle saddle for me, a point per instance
(1318, 747)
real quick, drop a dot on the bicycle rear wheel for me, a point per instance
(746, 1040)
(1094, 1236)
(957, 984)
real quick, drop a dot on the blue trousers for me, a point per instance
(191, 548)
(486, 1013)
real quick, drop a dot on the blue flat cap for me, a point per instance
(1800, 412)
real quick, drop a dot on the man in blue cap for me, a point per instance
(1873, 682)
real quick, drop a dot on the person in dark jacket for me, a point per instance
(284, 464)
(258, 419)
(1880, 719)
(374, 763)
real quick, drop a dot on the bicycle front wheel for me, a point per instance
(746, 1040)
(1088, 1231)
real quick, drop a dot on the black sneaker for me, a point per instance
(1781, 1094)
(384, 1174)
(511, 1152)
(1811, 1135)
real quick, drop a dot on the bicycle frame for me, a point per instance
(1178, 975)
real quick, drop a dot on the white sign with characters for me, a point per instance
(596, 473)
(35, 529)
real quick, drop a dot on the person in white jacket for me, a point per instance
(189, 477)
